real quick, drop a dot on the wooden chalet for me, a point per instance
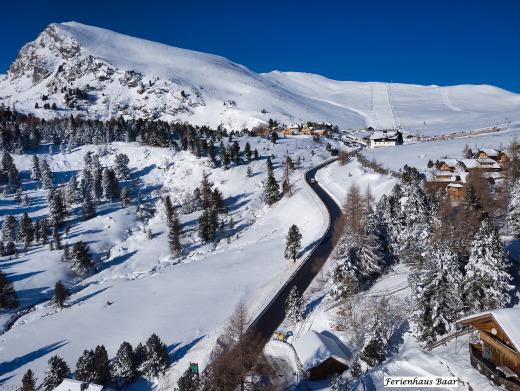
(494, 154)
(321, 355)
(497, 352)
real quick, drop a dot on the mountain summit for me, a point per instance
(101, 74)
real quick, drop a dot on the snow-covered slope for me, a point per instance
(133, 77)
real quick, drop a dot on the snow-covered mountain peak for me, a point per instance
(97, 73)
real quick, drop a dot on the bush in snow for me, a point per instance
(374, 350)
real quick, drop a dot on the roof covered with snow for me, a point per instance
(507, 318)
(315, 348)
(384, 134)
(490, 151)
(75, 385)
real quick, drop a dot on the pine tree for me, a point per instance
(169, 209)
(61, 294)
(28, 381)
(294, 306)
(374, 349)
(95, 186)
(208, 224)
(9, 229)
(102, 366)
(45, 174)
(125, 197)
(88, 209)
(174, 232)
(156, 356)
(56, 238)
(8, 296)
(44, 231)
(72, 191)
(36, 174)
(436, 292)
(81, 262)
(10, 249)
(487, 283)
(56, 371)
(57, 210)
(513, 209)
(247, 151)
(26, 230)
(271, 189)
(293, 243)
(121, 166)
(86, 367)
(124, 366)
(249, 172)
(109, 184)
(189, 381)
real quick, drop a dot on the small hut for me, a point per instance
(322, 354)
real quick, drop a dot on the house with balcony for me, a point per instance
(496, 353)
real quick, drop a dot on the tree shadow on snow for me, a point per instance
(19, 277)
(313, 304)
(15, 363)
(117, 260)
(88, 296)
(181, 352)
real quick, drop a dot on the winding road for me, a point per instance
(264, 325)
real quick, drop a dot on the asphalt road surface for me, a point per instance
(273, 314)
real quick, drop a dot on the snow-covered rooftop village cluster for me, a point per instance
(173, 220)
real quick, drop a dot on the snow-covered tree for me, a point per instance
(189, 381)
(513, 209)
(125, 197)
(208, 224)
(121, 166)
(46, 175)
(337, 383)
(156, 359)
(88, 209)
(124, 366)
(9, 229)
(73, 194)
(26, 230)
(56, 371)
(271, 189)
(374, 349)
(436, 292)
(80, 262)
(36, 174)
(487, 282)
(174, 232)
(86, 367)
(294, 306)
(110, 185)
(293, 243)
(57, 210)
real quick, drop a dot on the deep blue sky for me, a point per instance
(425, 42)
